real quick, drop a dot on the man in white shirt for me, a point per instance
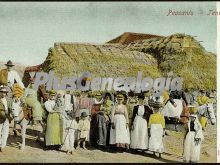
(13, 76)
(4, 117)
(69, 100)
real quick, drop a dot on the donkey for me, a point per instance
(22, 114)
(204, 112)
(20, 118)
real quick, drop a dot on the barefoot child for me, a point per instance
(84, 127)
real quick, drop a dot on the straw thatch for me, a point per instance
(107, 60)
(182, 55)
(156, 56)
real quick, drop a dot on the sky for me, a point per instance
(29, 29)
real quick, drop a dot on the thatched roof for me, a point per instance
(184, 56)
(155, 57)
(128, 37)
(101, 60)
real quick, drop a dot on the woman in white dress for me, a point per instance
(193, 140)
(139, 122)
(119, 133)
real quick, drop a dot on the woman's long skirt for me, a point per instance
(120, 136)
(54, 130)
(191, 150)
(156, 138)
(139, 135)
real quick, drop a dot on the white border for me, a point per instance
(218, 81)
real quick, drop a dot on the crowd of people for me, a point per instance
(118, 121)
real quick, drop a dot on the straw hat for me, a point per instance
(120, 97)
(98, 94)
(155, 104)
(122, 94)
(52, 93)
(60, 92)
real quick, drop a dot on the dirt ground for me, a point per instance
(34, 152)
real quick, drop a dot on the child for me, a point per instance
(193, 140)
(70, 127)
(84, 127)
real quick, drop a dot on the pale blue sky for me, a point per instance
(29, 29)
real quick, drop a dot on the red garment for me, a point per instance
(85, 103)
(96, 106)
(95, 109)
(184, 117)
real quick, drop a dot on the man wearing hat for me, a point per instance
(5, 116)
(8, 76)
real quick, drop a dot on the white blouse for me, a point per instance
(140, 110)
(49, 105)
